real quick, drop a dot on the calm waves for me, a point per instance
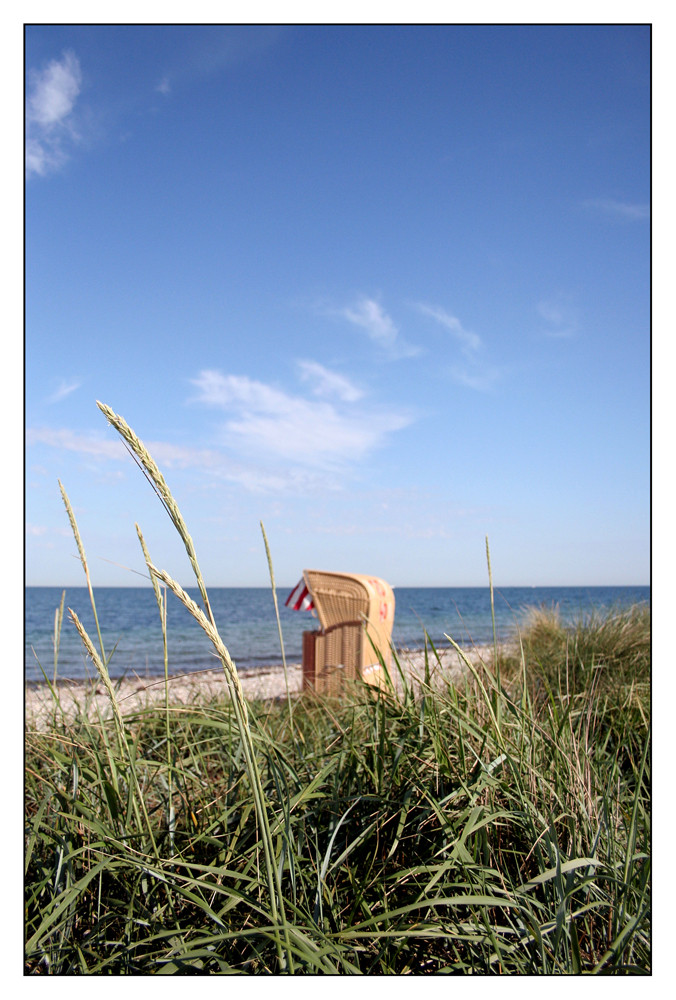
(130, 623)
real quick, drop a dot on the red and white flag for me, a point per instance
(299, 599)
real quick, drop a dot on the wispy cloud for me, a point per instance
(469, 342)
(210, 50)
(270, 441)
(324, 382)
(475, 377)
(274, 424)
(474, 372)
(65, 388)
(369, 315)
(99, 447)
(212, 462)
(50, 125)
(629, 211)
(559, 317)
(68, 440)
(219, 47)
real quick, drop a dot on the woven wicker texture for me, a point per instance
(337, 597)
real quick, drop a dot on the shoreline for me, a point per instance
(135, 693)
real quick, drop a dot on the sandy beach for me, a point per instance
(136, 693)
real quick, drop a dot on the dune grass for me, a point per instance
(497, 825)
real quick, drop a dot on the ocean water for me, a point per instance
(130, 623)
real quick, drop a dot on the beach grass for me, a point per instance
(494, 824)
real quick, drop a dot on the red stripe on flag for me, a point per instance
(299, 599)
(293, 593)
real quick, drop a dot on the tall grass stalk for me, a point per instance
(279, 624)
(162, 608)
(58, 622)
(127, 753)
(150, 470)
(208, 624)
(83, 560)
(496, 660)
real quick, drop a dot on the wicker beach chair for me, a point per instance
(356, 614)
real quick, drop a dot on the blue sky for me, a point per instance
(386, 289)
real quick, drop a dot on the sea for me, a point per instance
(132, 637)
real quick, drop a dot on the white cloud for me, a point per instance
(164, 86)
(474, 372)
(35, 529)
(170, 456)
(70, 441)
(289, 443)
(370, 316)
(480, 379)
(469, 342)
(50, 128)
(630, 211)
(64, 389)
(559, 317)
(54, 90)
(327, 383)
(98, 447)
(273, 424)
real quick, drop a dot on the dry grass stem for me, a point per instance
(149, 468)
(83, 560)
